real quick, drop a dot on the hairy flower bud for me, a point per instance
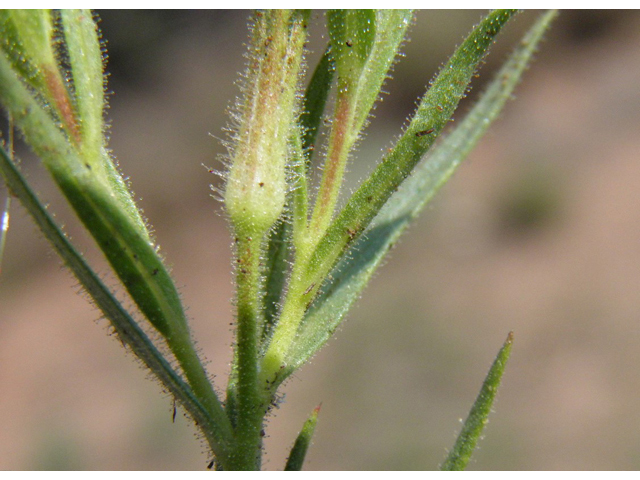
(256, 181)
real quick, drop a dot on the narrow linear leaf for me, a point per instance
(27, 38)
(302, 443)
(82, 42)
(85, 58)
(433, 113)
(42, 133)
(275, 272)
(128, 249)
(301, 149)
(479, 414)
(216, 429)
(315, 100)
(29, 44)
(352, 274)
(364, 45)
(352, 33)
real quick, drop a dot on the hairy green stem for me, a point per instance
(250, 397)
(299, 296)
(255, 195)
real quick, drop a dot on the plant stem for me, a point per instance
(250, 396)
(255, 195)
(299, 295)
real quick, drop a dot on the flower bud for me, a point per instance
(256, 183)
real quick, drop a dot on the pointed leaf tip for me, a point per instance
(509, 339)
(300, 447)
(467, 440)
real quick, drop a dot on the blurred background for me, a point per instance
(538, 232)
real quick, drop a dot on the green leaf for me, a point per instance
(302, 443)
(433, 113)
(26, 40)
(479, 414)
(85, 134)
(352, 34)
(315, 100)
(360, 77)
(128, 248)
(275, 271)
(364, 45)
(85, 58)
(214, 426)
(82, 41)
(352, 274)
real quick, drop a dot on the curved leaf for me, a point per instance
(216, 428)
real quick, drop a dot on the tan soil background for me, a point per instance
(539, 233)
